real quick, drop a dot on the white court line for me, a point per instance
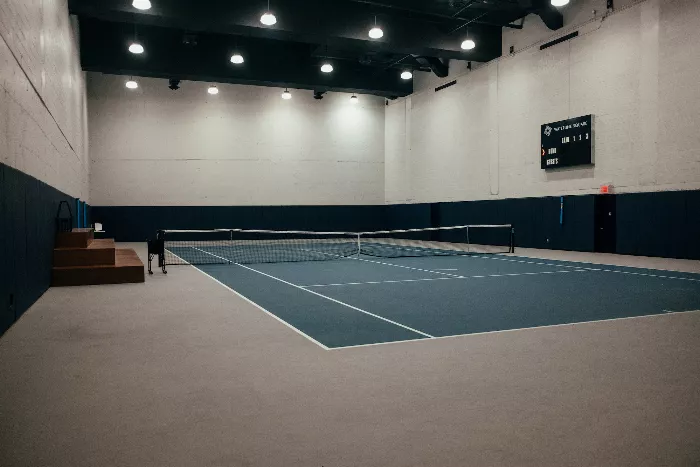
(436, 279)
(301, 333)
(519, 329)
(321, 295)
(432, 271)
(335, 301)
(604, 270)
(446, 269)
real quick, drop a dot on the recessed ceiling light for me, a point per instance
(141, 4)
(237, 58)
(354, 99)
(136, 48)
(376, 33)
(213, 90)
(560, 2)
(326, 68)
(286, 95)
(406, 75)
(468, 44)
(131, 84)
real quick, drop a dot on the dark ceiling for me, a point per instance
(194, 39)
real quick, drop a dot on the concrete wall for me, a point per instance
(480, 139)
(43, 121)
(244, 146)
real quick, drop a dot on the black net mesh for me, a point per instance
(229, 246)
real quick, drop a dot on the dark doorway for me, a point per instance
(605, 223)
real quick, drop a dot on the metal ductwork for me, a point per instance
(440, 68)
(551, 17)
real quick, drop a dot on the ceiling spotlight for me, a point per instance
(354, 99)
(318, 95)
(286, 95)
(376, 32)
(136, 48)
(213, 90)
(468, 44)
(174, 84)
(406, 75)
(268, 19)
(237, 58)
(131, 84)
(141, 4)
(559, 2)
(326, 68)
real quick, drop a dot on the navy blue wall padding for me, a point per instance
(652, 224)
(407, 216)
(27, 232)
(137, 223)
(536, 220)
(659, 224)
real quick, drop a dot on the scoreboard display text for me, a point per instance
(567, 143)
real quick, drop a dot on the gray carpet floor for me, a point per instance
(179, 371)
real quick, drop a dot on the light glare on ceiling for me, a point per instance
(406, 75)
(237, 58)
(286, 95)
(131, 84)
(560, 2)
(213, 90)
(326, 68)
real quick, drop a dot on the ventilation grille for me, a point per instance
(446, 85)
(559, 41)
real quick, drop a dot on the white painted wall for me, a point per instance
(636, 70)
(244, 146)
(43, 119)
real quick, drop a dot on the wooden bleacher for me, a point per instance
(79, 259)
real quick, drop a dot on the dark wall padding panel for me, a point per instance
(652, 224)
(408, 216)
(27, 231)
(137, 223)
(536, 220)
(665, 224)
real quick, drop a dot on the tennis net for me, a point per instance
(231, 246)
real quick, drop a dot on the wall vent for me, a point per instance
(559, 40)
(446, 85)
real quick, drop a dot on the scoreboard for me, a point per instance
(567, 143)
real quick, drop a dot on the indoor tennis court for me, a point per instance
(358, 300)
(349, 233)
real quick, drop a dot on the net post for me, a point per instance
(230, 237)
(359, 246)
(468, 243)
(512, 239)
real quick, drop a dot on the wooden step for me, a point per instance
(77, 238)
(99, 252)
(128, 268)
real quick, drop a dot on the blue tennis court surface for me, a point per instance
(365, 300)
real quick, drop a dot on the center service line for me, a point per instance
(336, 301)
